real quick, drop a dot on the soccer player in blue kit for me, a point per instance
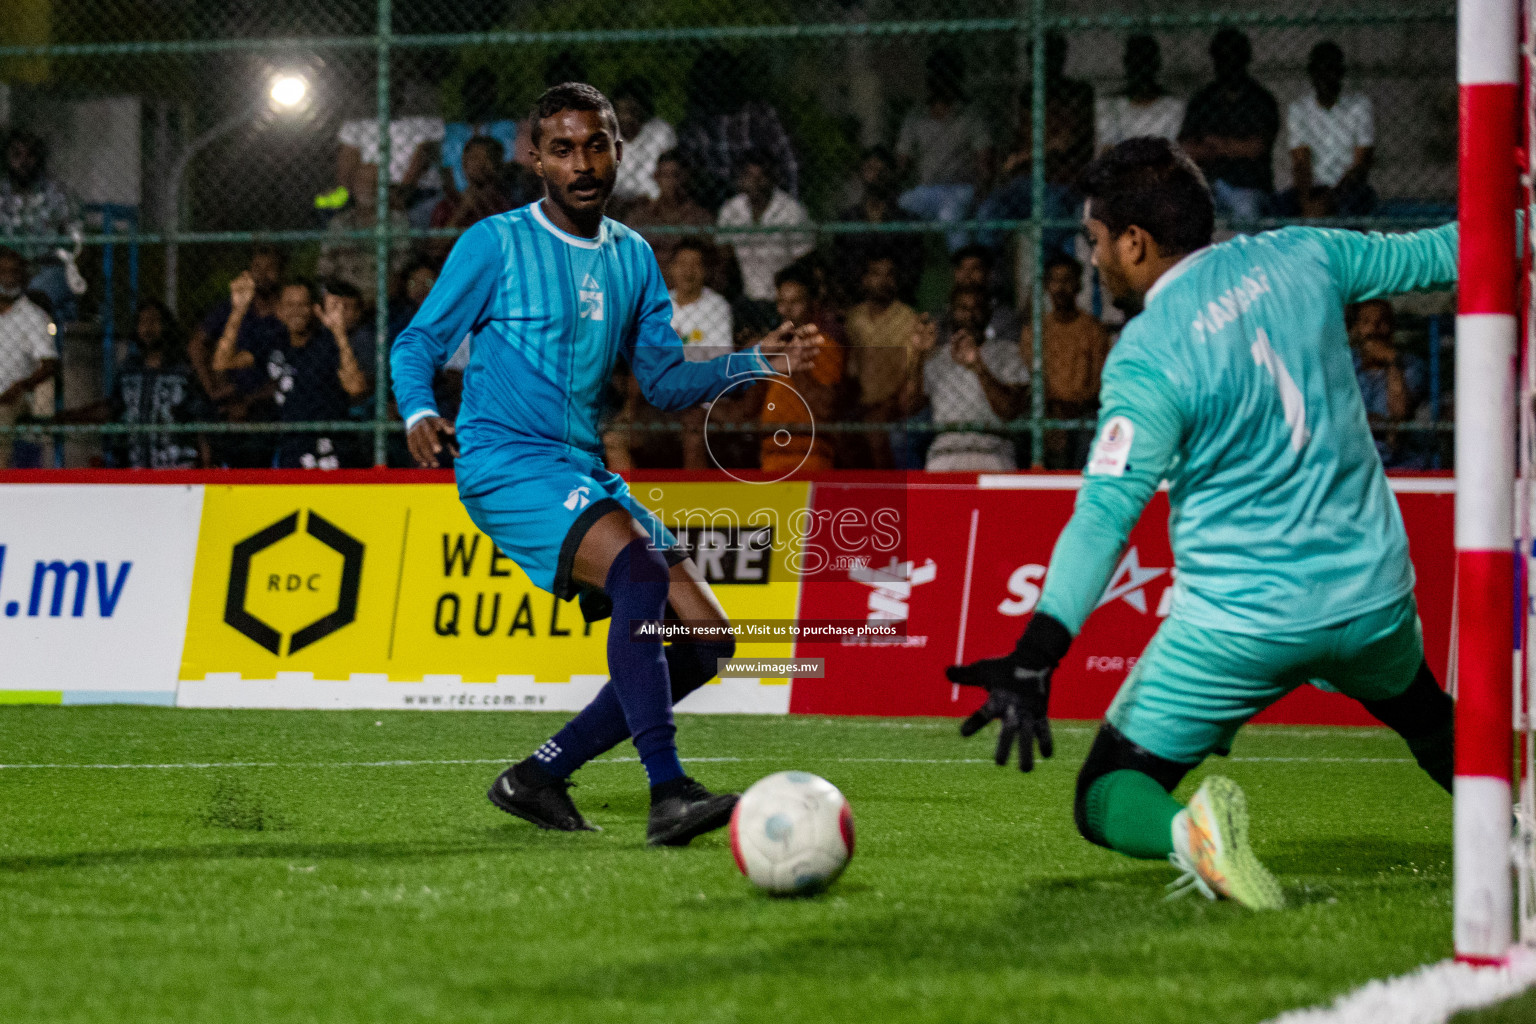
(1233, 382)
(550, 295)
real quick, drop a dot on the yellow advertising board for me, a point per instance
(392, 583)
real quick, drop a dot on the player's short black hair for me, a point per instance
(7, 253)
(1067, 260)
(799, 273)
(571, 96)
(974, 251)
(1153, 184)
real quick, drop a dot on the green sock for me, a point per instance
(1133, 814)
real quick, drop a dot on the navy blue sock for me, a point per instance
(600, 726)
(638, 582)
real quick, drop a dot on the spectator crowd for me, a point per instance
(719, 197)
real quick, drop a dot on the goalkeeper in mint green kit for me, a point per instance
(1234, 382)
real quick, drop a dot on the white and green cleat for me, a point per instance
(1210, 845)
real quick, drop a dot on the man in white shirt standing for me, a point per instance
(1145, 108)
(1332, 141)
(28, 356)
(761, 203)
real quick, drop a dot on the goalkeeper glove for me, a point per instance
(1018, 689)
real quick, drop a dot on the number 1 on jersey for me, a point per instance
(1290, 394)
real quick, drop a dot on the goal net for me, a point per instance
(1523, 711)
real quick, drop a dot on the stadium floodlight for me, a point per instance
(287, 95)
(287, 91)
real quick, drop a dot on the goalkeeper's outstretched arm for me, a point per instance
(1371, 265)
(1140, 426)
(1139, 433)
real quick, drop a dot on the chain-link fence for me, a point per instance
(194, 188)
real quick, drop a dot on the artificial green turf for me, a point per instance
(1521, 1010)
(299, 888)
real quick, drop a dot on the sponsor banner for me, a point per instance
(384, 595)
(94, 588)
(972, 569)
(319, 595)
(509, 693)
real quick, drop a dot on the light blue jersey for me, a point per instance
(1236, 385)
(547, 315)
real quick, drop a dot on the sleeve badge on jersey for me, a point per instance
(1112, 450)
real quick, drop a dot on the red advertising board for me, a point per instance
(969, 573)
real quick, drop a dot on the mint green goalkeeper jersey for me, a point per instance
(1236, 385)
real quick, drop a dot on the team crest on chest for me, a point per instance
(591, 299)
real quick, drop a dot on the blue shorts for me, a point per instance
(537, 501)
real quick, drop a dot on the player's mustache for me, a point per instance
(585, 181)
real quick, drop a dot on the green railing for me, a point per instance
(192, 74)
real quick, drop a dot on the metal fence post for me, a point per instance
(382, 241)
(1037, 231)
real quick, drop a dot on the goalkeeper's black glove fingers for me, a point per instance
(1018, 699)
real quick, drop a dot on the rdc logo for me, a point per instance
(302, 584)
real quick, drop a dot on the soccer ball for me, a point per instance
(792, 833)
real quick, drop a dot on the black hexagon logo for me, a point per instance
(327, 533)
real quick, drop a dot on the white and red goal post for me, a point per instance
(1487, 328)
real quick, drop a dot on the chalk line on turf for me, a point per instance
(196, 765)
(1430, 995)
